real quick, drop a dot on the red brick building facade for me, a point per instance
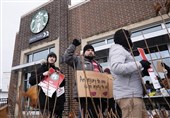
(91, 20)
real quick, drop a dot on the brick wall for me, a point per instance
(98, 16)
(57, 27)
(12, 93)
(91, 18)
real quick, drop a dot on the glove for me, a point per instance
(145, 64)
(76, 42)
(145, 72)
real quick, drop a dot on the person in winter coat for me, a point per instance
(128, 90)
(76, 62)
(49, 104)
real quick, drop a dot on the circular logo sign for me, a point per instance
(39, 21)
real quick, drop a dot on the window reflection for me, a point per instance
(29, 58)
(164, 53)
(158, 55)
(168, 25)
(137, 58)
(167, 61)
(52, 49)
(101, 60)
(147, 30)
(104, 65)
(109, 40)
(35, 56)
(26, 81)
(40, 55)
(134, 34)
(101, 43)
(153, 29)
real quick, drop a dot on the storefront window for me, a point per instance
(109, 40)
(158, 55)
(163, 54)
(103, 62)
(40, 55)
(35, 56)
(29, 58)
(152, 29)
(52, 49)
(166, 61)
(137, 58)
(134, 34)
(26, 81)
(97, 44)
(147, 30)
(168, 25)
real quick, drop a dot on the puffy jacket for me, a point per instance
(76, 62)
(42, 97)
(128, 82)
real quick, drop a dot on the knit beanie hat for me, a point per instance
(86, 47)
(52, 54)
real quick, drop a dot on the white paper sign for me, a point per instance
(60, 91)
(51, 83)
(152, 75)
(48, 90)
(154, 79)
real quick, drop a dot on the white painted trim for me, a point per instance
(107, 46)
(79, 4)
(26, 65)
(150, 35)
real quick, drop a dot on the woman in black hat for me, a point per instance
(47, 103)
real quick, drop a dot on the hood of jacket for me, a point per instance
(123, 37)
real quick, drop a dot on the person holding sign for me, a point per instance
(85, 62)
(55, 104)
(128, 90)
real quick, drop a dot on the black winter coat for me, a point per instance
(42, 97)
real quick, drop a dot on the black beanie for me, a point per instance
(52, 54)
(86, 47)
(120, 38)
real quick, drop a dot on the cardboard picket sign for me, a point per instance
(96, 85)
(152, 75)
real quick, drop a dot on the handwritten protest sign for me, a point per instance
(96, 85)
